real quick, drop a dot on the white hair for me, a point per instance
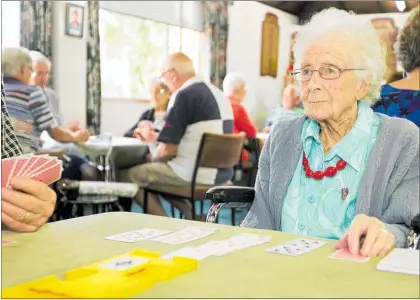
(39, 57)
(231, 82)
(13, 59)
(371, 55)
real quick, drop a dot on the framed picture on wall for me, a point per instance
(74, 20)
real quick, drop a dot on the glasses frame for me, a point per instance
(340, 70)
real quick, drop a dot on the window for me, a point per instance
(10, 23)
(134, 49)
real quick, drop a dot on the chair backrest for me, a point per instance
(219, 150)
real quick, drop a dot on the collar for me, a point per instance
(351, 147)
(190, 81)
(11, 80)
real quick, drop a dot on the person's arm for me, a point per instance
(245, 124)
(404, 200)
(176, 122)
(144, 116)
(259, 216)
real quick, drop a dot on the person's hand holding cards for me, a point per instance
(28, 206)
(367, 236)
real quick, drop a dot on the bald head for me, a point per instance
(181, 63)
(178, 69)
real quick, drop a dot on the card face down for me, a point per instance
(344, 254)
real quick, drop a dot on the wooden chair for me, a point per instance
(216, 151)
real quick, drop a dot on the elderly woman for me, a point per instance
(234, 88)
(290, 107)
(341, 171)
(402, 98)
(159, 98)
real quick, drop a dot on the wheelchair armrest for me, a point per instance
(228, 194)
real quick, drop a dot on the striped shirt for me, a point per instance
(28, 111)
(9, 145)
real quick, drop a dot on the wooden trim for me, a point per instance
(133, 100)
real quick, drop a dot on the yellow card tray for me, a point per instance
(118, 277)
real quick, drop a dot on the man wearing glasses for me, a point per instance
(195, 107)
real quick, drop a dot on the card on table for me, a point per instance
(197, 253)
(297, 247)
(185, 235)
(137, 235)
(240, 241)
(344, 254)
(43, 168)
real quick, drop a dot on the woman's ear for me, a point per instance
(362, 89)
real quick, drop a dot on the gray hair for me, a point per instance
(372, 53)
(39, 57)
(408, 45)
(231, 82)
(13, 59)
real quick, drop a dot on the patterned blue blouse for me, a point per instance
(400, 103)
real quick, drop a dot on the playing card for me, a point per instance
(19, 164)
(41, 164)
(185, 235)
(7, 166)
(124, 263)
(6, 242)
(240, 241)
(344, 254)
(137, 235)
(297, 247)
(34, 163)
(197, 253)
(49, 175)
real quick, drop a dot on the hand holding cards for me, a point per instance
(44, 168)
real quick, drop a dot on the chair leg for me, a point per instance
(233, 212)
(193, 214)
(201, 207)
(145, 194)
(172, 211)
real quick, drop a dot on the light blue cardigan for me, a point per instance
(389, 188)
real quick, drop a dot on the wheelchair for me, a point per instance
(235, 197)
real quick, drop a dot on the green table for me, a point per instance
(247, 273)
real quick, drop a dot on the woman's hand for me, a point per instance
(28, 206)
(378, 241)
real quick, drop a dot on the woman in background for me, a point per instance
(160, 95)
(402, 98)
(290, 108)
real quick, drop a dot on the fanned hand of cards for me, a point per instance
(44, 168)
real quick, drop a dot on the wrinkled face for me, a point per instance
(40, 74)
(325, 99)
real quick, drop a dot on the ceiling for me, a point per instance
(304, 9)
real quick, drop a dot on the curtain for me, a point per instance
(36, 29)
(216, 28)
(93, 72)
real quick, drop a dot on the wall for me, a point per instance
(244, 49)
(243, 55)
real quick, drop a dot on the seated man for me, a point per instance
(27, 106)
(78, 167)
(195, 107)
(29, 205)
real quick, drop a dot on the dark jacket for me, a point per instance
(148, 115)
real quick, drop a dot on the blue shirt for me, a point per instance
(400, 103)
(325, 208)
(281, 112)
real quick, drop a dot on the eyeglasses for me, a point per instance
(166, 72)
(326, 72)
